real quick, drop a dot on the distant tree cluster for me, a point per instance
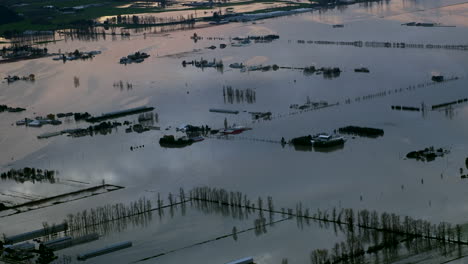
(16, 49)
(106, 213)
(147, 20)
(248, 95)
(29, 174)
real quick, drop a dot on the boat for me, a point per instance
(326, 140)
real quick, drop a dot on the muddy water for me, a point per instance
(366, 173)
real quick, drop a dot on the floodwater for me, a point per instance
(367, 173)
(179, 14)
(163, 239)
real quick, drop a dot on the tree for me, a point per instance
(216, 16)
(135, 20)
(45, 255)
(234, 233)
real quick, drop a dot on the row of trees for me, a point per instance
(148, 20)
(356, 245)
(29, 174)
(240, 95)
(224, 200)
(17, 47)
(393, 223)
(228, 198)
(388, 230)
(107, 213)
(110, 213)
(384, 222)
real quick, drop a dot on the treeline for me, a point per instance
(362, 227)
(459, 101)
(107, 213)
(248, 95)
(367, 232)
(372, 220)
(148, 20)
(85, 32)
(427, 154)
(202, 63)
(102, 128)
(362, 131)
(15, 49)
(381, 232)
(29, 174)
(302, 141)
(7, 108)
(406, 108)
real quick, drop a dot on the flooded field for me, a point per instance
(205, 12)
(366, 173)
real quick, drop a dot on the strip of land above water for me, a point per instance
(31, 16)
